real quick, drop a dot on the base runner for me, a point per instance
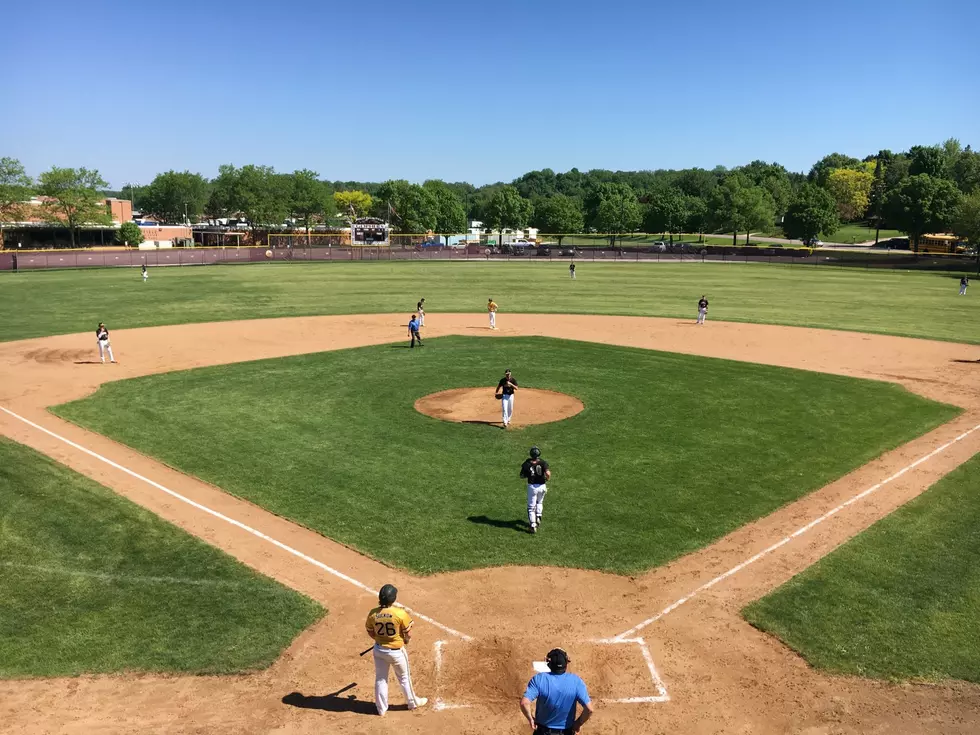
(390, 626)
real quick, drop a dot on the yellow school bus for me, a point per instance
(941, 244)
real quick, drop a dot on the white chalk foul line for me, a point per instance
(658, 683)
(798, 532)
(238, 524)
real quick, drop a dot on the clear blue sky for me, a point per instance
(480, 91)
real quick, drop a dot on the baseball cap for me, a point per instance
(557, 660)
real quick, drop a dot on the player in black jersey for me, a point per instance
(537, 473)
(702, 310)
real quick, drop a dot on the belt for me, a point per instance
(541, 730)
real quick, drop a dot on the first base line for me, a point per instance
(798, 532)
(237, 524)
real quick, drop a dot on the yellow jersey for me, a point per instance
(492, 306)
(388, 626)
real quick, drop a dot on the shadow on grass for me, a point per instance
(519, 525)
(335, 703)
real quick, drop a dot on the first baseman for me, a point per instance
(535, 470)
(505, 392)
(390, 626)
(102, 337)
(702, 309)
(420, 308)
(492, 311)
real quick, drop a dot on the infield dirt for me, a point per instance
(722, 675)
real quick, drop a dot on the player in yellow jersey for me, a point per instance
(390, 626)
(492, 311)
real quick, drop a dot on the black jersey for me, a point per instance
(535, 471)
(506, 386)
(703, 304)
(102, 334)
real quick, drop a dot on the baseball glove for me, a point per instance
(499, 398)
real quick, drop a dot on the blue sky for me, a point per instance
(480, 91)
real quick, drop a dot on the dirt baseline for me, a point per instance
(722, 675)
(478, 406)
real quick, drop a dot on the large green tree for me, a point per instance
(927, 159)
(698, 215)
(666, 211)
(965, 170)
(75, 197)
(922, 204)
(353, 203)
(851, 190)
(16, 187)
(257, 193)
(773, 178)
(559, 215)
(737, 206)
(814, 211)
(129, 233)
(450, 212)
(410, 207)
(618, 213)
(310, 200)
(966, 222)
(175, 196)
(507, 210)
(822, 168)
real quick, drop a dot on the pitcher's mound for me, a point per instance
(478, 406)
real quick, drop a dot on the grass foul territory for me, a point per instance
(670, 453)
(899, 601)
(91, 583)
(911, 304)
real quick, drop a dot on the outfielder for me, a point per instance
(492, 311)
(143, 271)
(505, 394)
(420, 308)
(535, 470)
(964, 282)
(102, 337)
(571, 270)
(390, 626)
(702, 309)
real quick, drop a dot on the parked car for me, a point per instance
(568, 252)
(543, 250)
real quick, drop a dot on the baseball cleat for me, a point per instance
(420, 702)
(534, 529)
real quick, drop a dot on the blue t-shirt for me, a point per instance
(413, 325)
(556, 695)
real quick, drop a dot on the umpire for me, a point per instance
(556, 692)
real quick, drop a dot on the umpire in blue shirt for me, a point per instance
(556, 693)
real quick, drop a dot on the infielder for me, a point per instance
(571, 270)
(143, 271)
(535, 470)
(102, 337)
(413, 331)
(492, 311)
(390, 626)
(420, 308)
(702, 309)
(505, 394)
(964, 282)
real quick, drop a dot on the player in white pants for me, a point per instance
(702, 310)
(505, 392)
(390, 626)
(102, 337)
(492, 311)
(420, 309)
(537, 473)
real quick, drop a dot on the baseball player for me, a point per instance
(702, 309)
(390, 626)
(505, 394)
(535, 470)
(144, 272)
(102, 337)
(492, 311)
(557, 694)
(571, 270)
(420, 308)
(964, 282)
(413, 331)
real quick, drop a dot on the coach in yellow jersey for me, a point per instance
(391, 628)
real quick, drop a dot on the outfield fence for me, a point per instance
(678, 252)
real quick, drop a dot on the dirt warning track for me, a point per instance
(719, 674)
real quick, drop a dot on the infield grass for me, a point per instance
(913, 304)
(899, 601)
(91, 583)
(670, 453)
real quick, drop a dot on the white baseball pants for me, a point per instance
(384, 659)
(702, 313)
(962, 290)
(493, 319)
(421, 318)
(104, 347)
(507, 408)
(535, 503)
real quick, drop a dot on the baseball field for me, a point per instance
(763, 524)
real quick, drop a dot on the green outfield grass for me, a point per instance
(670, 453)
(899, 601)
(855, 233)
(91, 583)
(913, 304)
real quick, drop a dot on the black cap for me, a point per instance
(387, 595)
(557, 661)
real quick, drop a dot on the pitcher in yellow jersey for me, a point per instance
(391, 628)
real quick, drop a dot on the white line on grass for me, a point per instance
(798, 532)
(232, 521)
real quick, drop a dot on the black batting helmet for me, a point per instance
(535, 452)
(387, 595)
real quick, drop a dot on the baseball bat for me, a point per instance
(368, 650)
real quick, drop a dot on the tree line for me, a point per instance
(924, 189)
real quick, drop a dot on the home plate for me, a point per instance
(540, 667)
